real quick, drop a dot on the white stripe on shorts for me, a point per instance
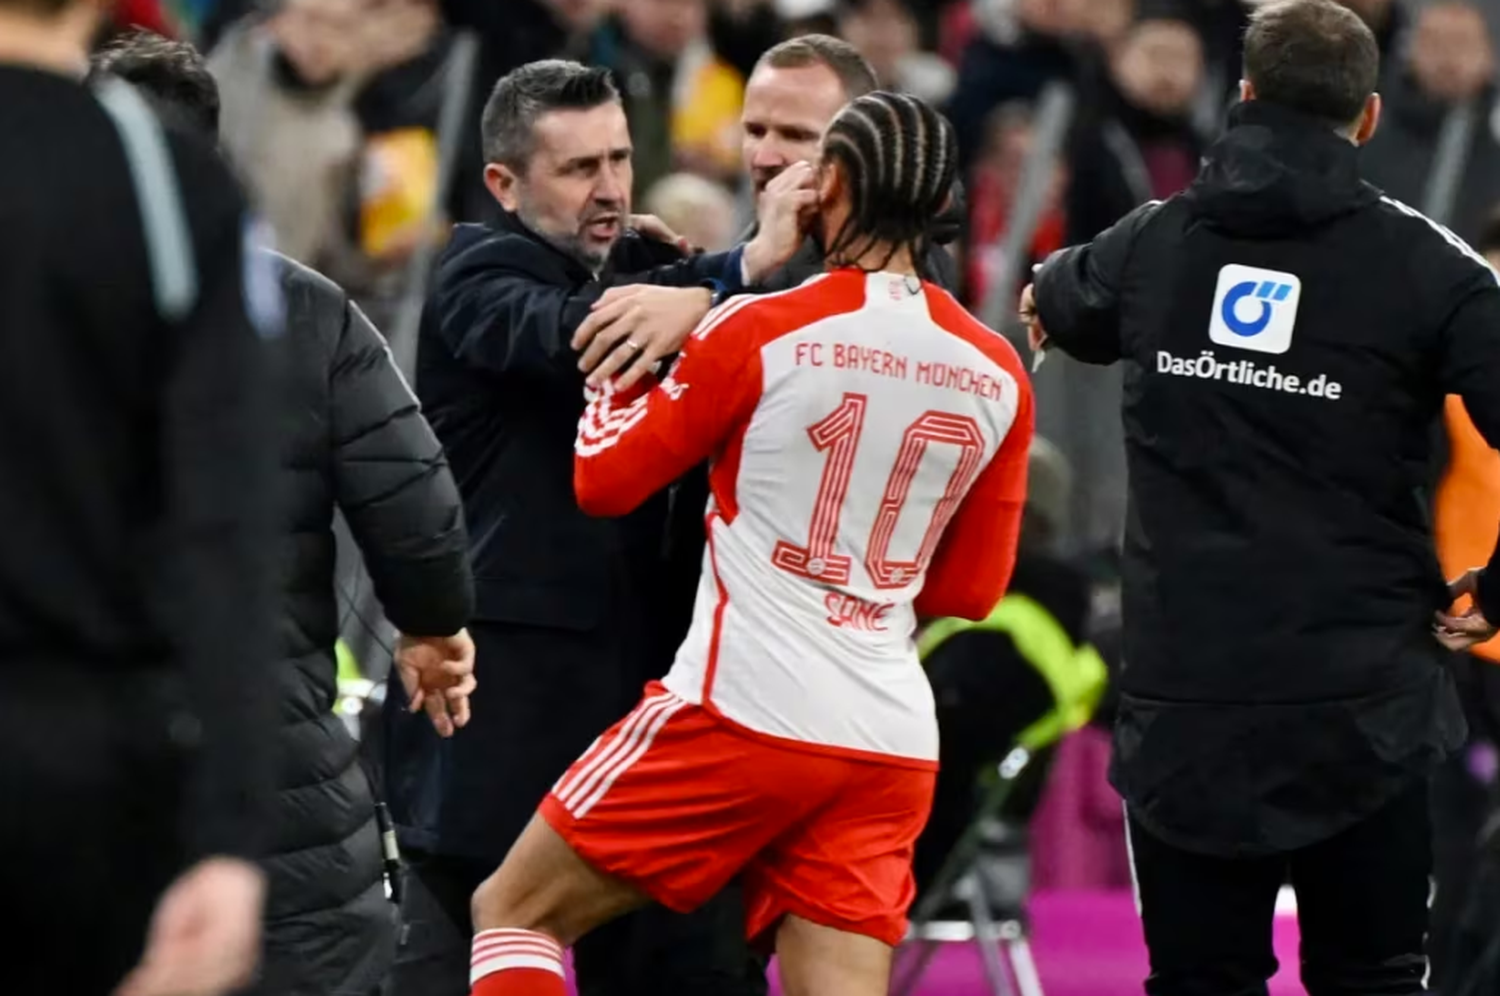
(582, 789)
(601, 750)
(643, 744)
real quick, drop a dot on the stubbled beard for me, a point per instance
(570, 245)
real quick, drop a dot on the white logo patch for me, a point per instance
(1255, 309)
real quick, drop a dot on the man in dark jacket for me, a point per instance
(573, 613)
(352, 438)
(135, 584)
(1288, 336)
(368, 452)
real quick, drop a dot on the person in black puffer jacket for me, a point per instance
(354, 439)
(357, 441)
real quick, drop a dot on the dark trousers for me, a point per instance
(82, 910)
(91, 789)
(1361, 907)
(1462, 908)
(653, 952)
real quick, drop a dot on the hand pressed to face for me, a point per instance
(574, 190)
(785, 114)
(632, 328)
(784, 213)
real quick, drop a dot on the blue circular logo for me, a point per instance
(1236, 294)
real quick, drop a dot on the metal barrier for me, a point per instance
(1049, 130)
(1077, 406)
(364, 626)
(1003, 946)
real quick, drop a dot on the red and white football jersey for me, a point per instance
(868, 442)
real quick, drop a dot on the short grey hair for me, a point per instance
(525, 94)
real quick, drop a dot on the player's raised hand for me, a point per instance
(782, 215)
(438, 676)
(204, 938)
(1468, 628)
(633, 328)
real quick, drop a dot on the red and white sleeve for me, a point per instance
(632, 445)
(974, 560)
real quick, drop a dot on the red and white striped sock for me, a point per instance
(516, 963)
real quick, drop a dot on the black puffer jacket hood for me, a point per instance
(1276, 172)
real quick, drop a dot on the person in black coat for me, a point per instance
(1288, 336)
(574, 614)
(136, 593)
(353, 439)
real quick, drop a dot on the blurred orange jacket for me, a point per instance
(1467, 517)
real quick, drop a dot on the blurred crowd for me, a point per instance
(335, 110)
(332, 106)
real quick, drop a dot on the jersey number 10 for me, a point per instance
(838, 436)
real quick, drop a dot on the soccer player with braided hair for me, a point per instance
(867, 442)
(898, 156)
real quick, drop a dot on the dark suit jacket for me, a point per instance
(500, 384)
(498, 379)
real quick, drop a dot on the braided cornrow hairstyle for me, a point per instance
(899, 157)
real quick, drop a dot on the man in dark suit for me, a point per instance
(573, 614)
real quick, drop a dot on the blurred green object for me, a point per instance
(1076, 675)
(354, 687)
(188, 15)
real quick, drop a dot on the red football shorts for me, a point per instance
(677, 803)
